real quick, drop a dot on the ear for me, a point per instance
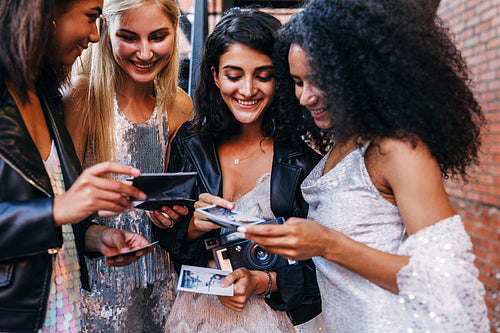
(216, 77)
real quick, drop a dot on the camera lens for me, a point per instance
(260, 258)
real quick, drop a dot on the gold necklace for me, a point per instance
(237, 160)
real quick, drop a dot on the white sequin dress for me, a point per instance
(439, 289)
(138, 297)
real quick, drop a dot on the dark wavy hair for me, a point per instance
(26, 29)
(389, 69)
(256, 30)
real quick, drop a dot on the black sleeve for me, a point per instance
(298, 291)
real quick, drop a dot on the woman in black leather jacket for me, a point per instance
(236, 139)
(38, 220)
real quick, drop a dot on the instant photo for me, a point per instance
(203, 280)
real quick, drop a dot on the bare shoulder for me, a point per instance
(393, 162)
(182, 103)
(390, 152)
(409, 176)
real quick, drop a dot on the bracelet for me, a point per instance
(267, 293)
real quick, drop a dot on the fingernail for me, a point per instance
(223, 284)
(142, 196)
(242, 229)
(240, 235)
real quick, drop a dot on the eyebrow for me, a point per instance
(152, 32)
(257, 69)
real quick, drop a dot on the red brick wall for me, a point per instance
(476, 26)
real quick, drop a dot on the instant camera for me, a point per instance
(231, 252)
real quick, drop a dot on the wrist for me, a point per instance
(268, 284)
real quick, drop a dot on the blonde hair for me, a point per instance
(100, 75)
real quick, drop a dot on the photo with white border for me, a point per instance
(203, 280)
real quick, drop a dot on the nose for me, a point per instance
(144, 52)
(94, 33)
(308, 96)
(248, 88)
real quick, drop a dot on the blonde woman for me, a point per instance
(124, 105)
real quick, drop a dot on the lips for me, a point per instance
(247, 103)
(317, 111)
(144, 66)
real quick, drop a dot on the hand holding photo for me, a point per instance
(230, 219)
(203, 280)
(134, 251)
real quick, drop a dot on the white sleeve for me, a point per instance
(439, 289)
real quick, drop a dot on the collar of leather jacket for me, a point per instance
(288, 165)
(20, 152)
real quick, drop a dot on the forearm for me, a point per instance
(377, 266)
(193, 233)
(93, 238)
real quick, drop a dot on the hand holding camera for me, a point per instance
(231, 252)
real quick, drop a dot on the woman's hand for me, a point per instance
(112, 241)
(246, 283)
(200, 222)
(91, 193)
(167, 217)
(297, 239)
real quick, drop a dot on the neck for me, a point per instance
(133, 90)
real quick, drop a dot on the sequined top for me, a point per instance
(63, 311)
(345, 199)
(142, 146)
(137, 297)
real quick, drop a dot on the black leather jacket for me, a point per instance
(27, 228)
(298, 290)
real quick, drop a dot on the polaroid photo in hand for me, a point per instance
(230, 219)
(203, 280)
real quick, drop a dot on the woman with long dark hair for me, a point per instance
(42, 201)
(249, 156)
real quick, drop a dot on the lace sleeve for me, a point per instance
(439, 288)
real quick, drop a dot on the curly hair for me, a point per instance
(256, 30)
(390, 69)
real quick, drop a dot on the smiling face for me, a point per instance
(74, 30)
(307, 93)
(246, 81)
(143, 41)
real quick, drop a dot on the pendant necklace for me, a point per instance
(237, 160)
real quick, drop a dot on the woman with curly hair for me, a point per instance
(389, 89)
(249, 156)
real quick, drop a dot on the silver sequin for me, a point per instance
(137, 297)
(345, 199)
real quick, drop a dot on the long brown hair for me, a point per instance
(26, 28)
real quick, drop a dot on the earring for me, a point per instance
(54, 28)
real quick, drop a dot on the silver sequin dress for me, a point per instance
(193, 312)
(138, 297)
(439, 289)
